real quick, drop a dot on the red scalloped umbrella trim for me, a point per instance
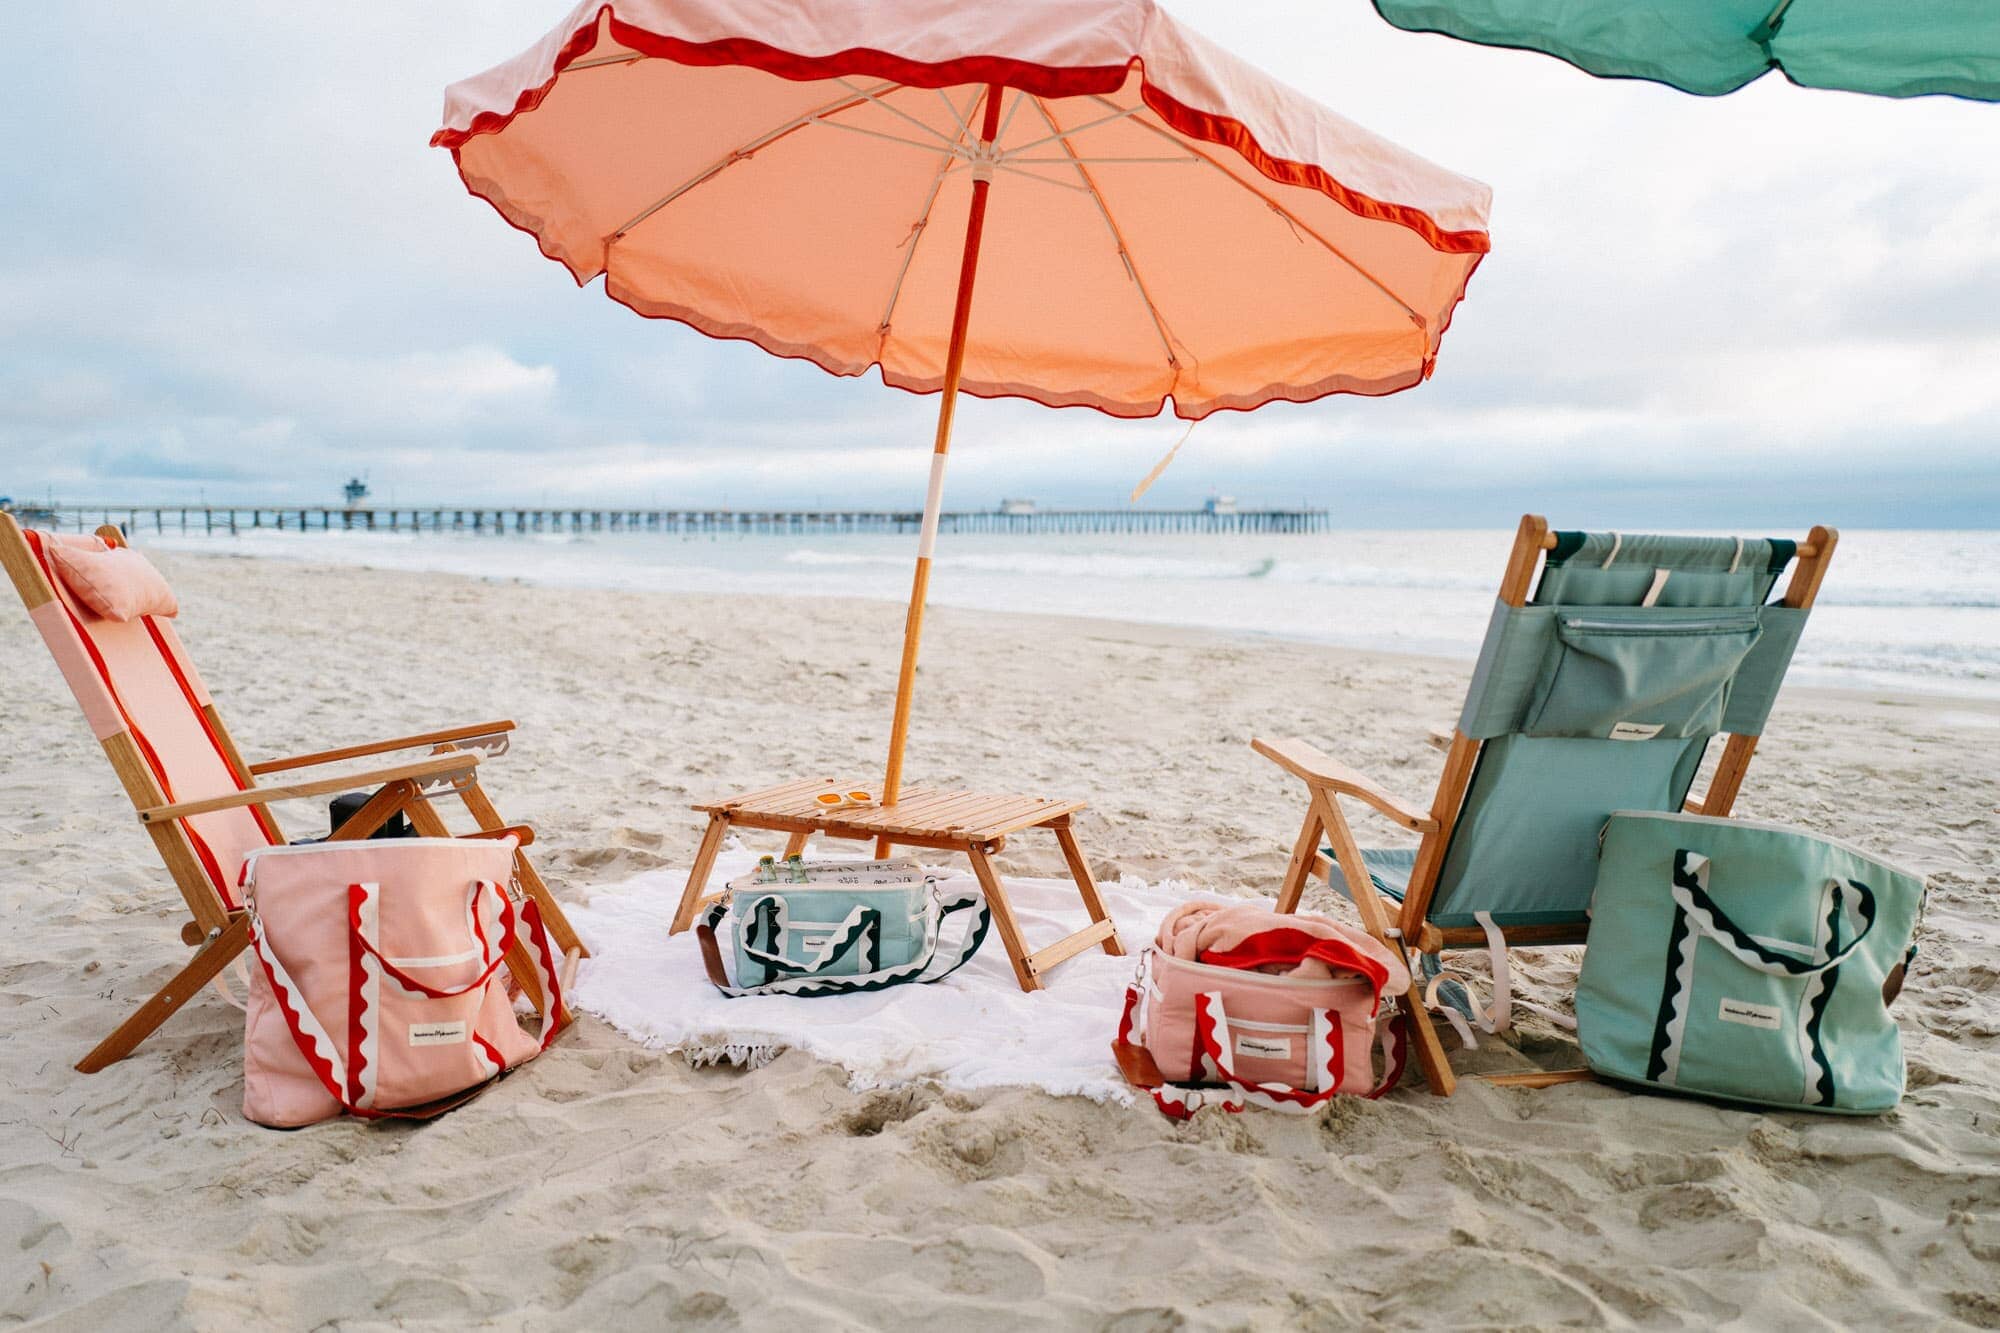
(1041, 80)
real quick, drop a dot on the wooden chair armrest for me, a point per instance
(418, 770)
(1440, 738)
(429, 738)
(1315, 768)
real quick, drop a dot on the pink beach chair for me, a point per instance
(187, 781)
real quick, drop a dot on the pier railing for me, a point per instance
(211, 519)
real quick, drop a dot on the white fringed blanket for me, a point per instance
(975, 1029)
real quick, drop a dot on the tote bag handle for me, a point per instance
(495, 935)
(1690, 894)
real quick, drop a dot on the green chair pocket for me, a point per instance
(1636, 673)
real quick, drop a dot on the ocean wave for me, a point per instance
(1052, 564)
(1167, 568)
(1940, 598)
(1378, 576)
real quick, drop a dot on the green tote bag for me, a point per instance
(1746, 961)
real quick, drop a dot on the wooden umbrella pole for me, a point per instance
(913, 626)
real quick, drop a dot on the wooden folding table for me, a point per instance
(973, 823)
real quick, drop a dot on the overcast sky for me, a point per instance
(232, 267)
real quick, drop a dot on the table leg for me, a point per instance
(704, 861)
(1079, 870)
(1003, 916)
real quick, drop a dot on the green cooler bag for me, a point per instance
(1746, 961)
(811, 928)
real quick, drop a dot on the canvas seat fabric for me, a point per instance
(1388, 867)
(134, 675)
(1600, 694)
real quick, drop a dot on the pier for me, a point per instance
(502, 520)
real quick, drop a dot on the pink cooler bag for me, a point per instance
(1238, 1005)
(379, 984)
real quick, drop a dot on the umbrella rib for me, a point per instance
(1121, 114)
(921, 225)
(1117, 237)
(1000, 134)
(964, 126)
(749, 148)
(1298, 224)
(596, 62)
(940, 136)
(1092, 161)
(949, 150)
(1025, 174)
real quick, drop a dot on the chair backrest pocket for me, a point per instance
(1638, 673)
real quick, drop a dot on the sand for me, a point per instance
(609, 1185)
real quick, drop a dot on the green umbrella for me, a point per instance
(1896, 48)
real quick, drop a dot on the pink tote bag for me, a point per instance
(379, 985)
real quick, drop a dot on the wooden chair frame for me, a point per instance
(1408, 926)
(219, 933)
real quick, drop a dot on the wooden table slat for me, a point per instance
(941, 818)
(977, 814)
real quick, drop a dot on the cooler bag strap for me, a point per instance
(975, 933)
(1690, 893)
(1127, 1018)
(241, 971)
(1392, 1036)
(549, 968)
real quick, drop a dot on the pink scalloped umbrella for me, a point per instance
(1153, 219)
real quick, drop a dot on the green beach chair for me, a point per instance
(1600, 690)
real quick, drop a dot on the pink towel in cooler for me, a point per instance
(1253, 937)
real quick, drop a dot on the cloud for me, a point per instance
(419, 391)
(234, 266)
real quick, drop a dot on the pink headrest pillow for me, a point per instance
(118, 583)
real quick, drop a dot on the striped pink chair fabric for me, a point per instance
(134, 676)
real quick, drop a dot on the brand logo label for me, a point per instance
(814, 941)
(1265, 1048)
(1751, 1015)
(1636, 731)
(437, 1034)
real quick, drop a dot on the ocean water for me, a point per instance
(1902, 610)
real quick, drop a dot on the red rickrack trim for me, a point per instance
(1040, 80)
(491, 1052)
(289, 1006)
(555, 1007)
(357, 999)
